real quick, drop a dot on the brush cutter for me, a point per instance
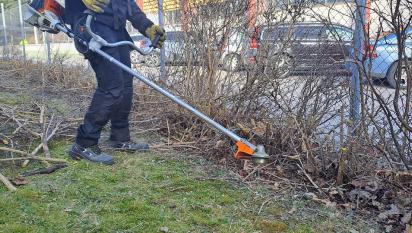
(47, 18)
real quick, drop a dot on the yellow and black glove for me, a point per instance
(96, 5)
(154, 30)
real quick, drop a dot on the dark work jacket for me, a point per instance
(114, 16)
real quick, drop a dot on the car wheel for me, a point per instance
(284, 65)
(231, 62)
(281, 66)
(392, 76)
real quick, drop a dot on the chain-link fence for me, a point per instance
(325, 82)
(332, 67)
(22, 41)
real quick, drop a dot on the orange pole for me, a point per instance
(252, 14)
(367, 17)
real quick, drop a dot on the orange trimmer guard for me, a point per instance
(243, 151)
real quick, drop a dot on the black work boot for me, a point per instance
(130, 146)
(92, 154)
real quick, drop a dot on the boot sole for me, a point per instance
(77, 156)
(130, 150)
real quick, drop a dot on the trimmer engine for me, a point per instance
(44, 14)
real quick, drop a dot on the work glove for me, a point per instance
(96, 5)
(154, 30)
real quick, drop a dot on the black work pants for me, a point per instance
(112, 99)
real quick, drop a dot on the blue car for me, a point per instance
(384, 60)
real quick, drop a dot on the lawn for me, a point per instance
(150, 192)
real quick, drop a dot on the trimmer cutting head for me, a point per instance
(256, 154)
(260, 156)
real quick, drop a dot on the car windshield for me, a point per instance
(309, 32)
(276, 33)
(391, 38)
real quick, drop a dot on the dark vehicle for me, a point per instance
(301, 48)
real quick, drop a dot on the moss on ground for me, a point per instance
(144, 192)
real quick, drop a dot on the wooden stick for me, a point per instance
(36, 150)
(7, 183)
(28, 156)
(307, 176)
(34, 158)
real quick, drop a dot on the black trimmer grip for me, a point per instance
(155, 41)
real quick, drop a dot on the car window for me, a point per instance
(392, 38)
(309, 32)
(339, 34)
(276, 33)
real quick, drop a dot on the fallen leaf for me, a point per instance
(164, 229)
(293, 210)
(19, 181)
(219, 144)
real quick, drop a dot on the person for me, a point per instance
(112, 99)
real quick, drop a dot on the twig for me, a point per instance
(36, 150)
(34, 158)
(7, 183)
(46, 170)
(28, 156)
(309, 178)
(44, 131)
(263, 204)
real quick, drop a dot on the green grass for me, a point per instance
(143, 192)
(13, 99)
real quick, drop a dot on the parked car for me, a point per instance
(384, 62)
(234, 49)
(173, 49)
(301, 47)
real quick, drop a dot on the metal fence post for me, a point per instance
(3, 17)
(48, 49)
(36, 37)
(23, 34)
(359, 37)
(162, 51)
